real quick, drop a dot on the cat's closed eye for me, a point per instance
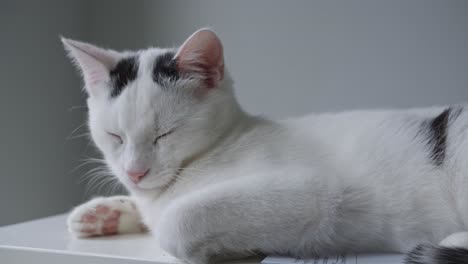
(162, 135)
(116, 137)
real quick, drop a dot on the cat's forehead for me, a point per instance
(152, 58)
(140, 83)
(144, 67)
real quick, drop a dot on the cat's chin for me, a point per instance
(152, 187)
(137, 187)
(145, 190)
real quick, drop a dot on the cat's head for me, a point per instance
(153, 111)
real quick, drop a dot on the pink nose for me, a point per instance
(136, 176)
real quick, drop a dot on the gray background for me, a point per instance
(287, 58)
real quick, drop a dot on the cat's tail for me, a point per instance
(430, 254)
(452, 250)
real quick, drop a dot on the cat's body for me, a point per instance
(358, 181)
(230, 184)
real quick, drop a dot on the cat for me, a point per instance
(213, 182)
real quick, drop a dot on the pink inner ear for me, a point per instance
(202, 54)
(94, 73)
(94, 62)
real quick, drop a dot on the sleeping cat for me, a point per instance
(212, 182)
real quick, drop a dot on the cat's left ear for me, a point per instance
(201, 56)
(94, 63)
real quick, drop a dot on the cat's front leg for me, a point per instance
(104, 216)
(230, 220)
(175, 231)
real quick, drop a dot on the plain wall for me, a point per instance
(39, 87)
(293, 57)
(287, 58)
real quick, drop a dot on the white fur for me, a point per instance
(456, 240)
(226, 182)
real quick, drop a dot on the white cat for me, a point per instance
(211, 181)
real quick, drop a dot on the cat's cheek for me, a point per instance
(113, 162)
(164, 157)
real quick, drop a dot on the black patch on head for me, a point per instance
(124, 72)
(436, 130)
(165, 68)
(428, 254)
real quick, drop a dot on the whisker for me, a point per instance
(76, 107)
(86, 162)
(75, 130)
(85, 134)
(103, 183)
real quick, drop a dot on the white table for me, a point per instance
(47, 241)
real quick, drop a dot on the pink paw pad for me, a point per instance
(108, 218)
(143, 228)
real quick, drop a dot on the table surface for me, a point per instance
(46, 238)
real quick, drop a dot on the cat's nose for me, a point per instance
(136, 176)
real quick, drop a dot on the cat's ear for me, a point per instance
(94, 63)
(201, 56)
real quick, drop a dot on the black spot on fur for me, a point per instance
(124, 72)
(165, 68)
(438, 136)
(427, 254)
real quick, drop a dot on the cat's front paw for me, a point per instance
(105, 216)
